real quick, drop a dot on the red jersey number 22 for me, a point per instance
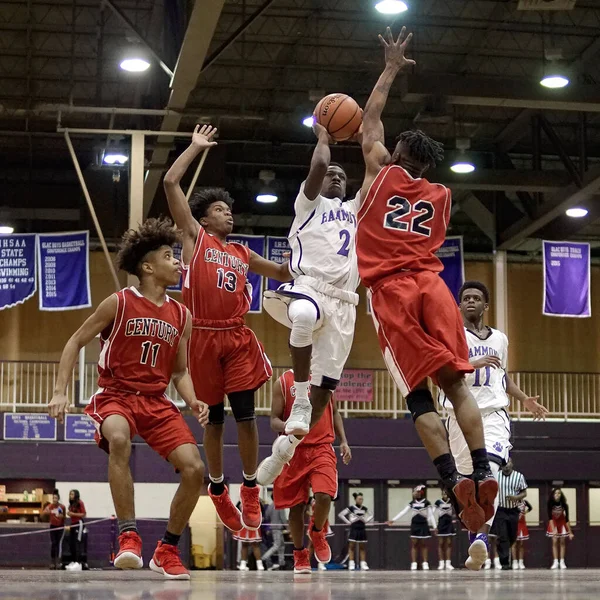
(419, 214)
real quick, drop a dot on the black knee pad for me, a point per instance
(420, 402)
(242, 405)
(216, 414)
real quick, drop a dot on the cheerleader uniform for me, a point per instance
(522, 530)
(558, 519)
(357, 517)
(445, 512)
(422, 518)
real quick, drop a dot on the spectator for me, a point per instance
(522, 536)
(512, 490)
(56, 512)
(278, 521)
(559, 528)
(77, 513)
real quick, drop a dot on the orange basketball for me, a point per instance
(340, 115)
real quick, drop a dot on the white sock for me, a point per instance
(217, 479)
(248, 477)
(302, 390)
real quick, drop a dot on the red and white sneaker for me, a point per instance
(130, 551)
(302, 562)
(230, 516)
(166, 560)
(251, 511)
(320, 544)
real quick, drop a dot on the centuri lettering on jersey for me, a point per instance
(213, 255)
(148, 327)
(338, 215)
(482, 351)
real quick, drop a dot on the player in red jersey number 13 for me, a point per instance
(401, 224)
(144, 336)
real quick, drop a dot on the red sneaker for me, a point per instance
(130, 551)
(166, 560)
(251, 512)
(487, 492)
(320, 544)
(228, 513)
(302, 562)
(470, 513)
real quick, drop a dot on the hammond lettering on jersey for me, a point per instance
(153, 328)
(338, 215)
(483, 351)
(212, 255)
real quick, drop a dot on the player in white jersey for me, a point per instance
(491, 387)
(319, 306)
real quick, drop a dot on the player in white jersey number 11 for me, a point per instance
(319, 306)
(491, 387)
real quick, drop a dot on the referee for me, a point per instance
(512, 489)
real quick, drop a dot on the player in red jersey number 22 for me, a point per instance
(401, 224)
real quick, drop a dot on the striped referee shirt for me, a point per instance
(510, 485)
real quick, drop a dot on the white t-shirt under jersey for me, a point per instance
(487, 384)
(322, 240)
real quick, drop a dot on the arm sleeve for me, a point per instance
(368, 516)
(403, 512)
(522, 483)
(505, 354)
(344, 516)
(431, 517)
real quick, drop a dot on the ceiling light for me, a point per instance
(577, 213)
(554, 81)
(266, 198)
(6, 229)
(391, 7)
(135, 65)
(462, 166)
(308, 121)
(115, 159)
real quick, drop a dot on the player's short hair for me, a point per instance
(202, 199)
(474, 285)
(335, 164)
(422, 148)
(149, 236)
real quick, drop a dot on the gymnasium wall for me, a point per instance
(538, 343)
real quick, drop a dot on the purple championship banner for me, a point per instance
(18, 281)
(64, 271)
(276, 248)
(567, 280)
(452, 257)
(256, 243)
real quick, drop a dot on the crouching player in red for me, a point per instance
(313, 466)
(144, 336)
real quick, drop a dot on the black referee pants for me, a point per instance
(506, 524)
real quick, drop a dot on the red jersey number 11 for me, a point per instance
(146, 347)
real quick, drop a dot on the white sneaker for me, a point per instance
(562, 563)
(74, 567)
(555, 564)
(321, 567)
(425, 566)
(478, 554)
(351, 565)
(413, 566)
(497, 563)
(363, 565)
(442, 565)
(259, 565)
(488, 564)
(270, 468)
(449, 566)
(243, 566)
(298, 422)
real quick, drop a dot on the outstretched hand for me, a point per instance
(395, 49)
(202, 137)
(538, 411)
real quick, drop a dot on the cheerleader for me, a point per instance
(446, 530)
(357, 516)
(522, 536)
(422, 518)
(249, 539)
(558, 527)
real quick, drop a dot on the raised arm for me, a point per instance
(340, 432)
(373, 136)
(103, 316)
(178, 205)
(277, 408)
(269, 268)
(319, 163)
(182, 379)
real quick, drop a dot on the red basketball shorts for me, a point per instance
(155, 418)
(419, 327)
(312, 467)
(222, 361)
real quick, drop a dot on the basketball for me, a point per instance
(340, 115)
